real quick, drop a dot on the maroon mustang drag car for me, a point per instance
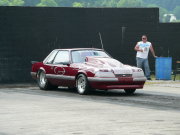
(86, 69)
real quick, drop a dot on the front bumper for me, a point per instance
(117, 83)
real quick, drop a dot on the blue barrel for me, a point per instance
(163, 68)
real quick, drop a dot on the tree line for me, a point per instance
(167, 7)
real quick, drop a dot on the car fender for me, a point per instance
(81, 72)
(41, 68)
(86, 73)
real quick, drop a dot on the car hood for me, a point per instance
(106, 63)
(103, 62)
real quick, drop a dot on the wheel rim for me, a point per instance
(81, 84)
(42, 79)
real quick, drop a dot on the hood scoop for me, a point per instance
(105, 61)
(109, 63)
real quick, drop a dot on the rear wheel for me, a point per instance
(82, 84)
(43, 82)
(129, 91)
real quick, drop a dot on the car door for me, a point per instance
(61, 69)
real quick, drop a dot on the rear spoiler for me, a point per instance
(33, 62)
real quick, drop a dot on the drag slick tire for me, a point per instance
(82, 84)
(129, 91)
(43, 82)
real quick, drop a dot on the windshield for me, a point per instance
(80, 55)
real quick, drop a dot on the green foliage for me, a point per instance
(162, 18)
(165, 6)
(16, 2)
(11, 2)
(130, 3)
(47, 3)
(162, 11)
(77, 4)
(4, 3)
(177, 21)
(152, 5)
(31, 2)
(107, 3)
(177, 12)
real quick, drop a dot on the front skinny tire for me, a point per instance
(82, 84)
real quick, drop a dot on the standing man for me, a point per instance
(142, 48)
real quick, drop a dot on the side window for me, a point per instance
(50, 58)
(76, 57)
(62, 56)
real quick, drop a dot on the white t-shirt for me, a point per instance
(145, 47)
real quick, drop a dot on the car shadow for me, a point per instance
(103, 93)
(111, 93)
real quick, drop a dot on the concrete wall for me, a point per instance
(30, 33)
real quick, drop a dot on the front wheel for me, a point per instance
(43, 82)
(129, 91)
(82, 84)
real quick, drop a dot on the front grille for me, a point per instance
(123, 75)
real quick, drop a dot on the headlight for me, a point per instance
(104, 74)
(138, 74)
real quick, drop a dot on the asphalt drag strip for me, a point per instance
(26, 110)
(148, 99)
